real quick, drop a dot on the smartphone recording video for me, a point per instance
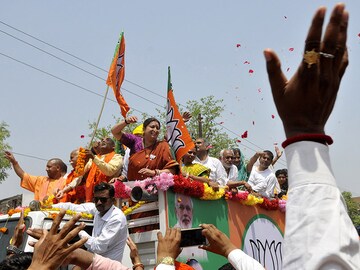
(192, 237)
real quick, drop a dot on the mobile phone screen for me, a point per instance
(192, 237)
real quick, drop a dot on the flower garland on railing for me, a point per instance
(47, 205)
(128, 210)
(84, 215)
(246, 198)
(189, 187)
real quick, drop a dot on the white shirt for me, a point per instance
(241, 261)
(109, 232)
(263, 182)
(319, 233)
(233, 173)
(218, 173)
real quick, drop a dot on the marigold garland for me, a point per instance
(52, 215)
(80, 163)
(210, 194)
(128, 210)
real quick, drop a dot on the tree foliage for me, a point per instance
(353, 208)
(4, 163)
(211, 110)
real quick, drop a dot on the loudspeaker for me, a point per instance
(138, 194)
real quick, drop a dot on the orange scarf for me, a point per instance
(71, 194)
(95, 177)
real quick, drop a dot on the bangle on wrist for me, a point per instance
(320, 138)
(126, 122)
(166, 260)
(137, 265)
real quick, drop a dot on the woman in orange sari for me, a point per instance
(148, 156)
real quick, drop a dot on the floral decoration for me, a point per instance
(128, 210)
(80, 163)
(270, 204)
(210, 194)
(53, 212)
(121, 190)
(189, 187)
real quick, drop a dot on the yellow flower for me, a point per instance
(252, 200)
(210, 194)
(129, 210)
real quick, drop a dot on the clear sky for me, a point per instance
(210, 45)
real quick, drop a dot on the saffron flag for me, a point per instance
(117, 73)
(176, 131)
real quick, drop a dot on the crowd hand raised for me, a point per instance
(305, 102)
(169, 245)
(278, 151)
(52, 248)
(9, 156)
(18, 235)
(134, 253)
(219, 243)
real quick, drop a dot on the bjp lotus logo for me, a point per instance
(263, 241)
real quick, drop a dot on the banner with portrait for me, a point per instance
(256, 231)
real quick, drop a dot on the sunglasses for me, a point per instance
(101, 199)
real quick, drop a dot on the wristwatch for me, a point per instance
(10, 249)
(166, 260)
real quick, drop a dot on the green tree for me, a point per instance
(353, 208)
(4, 163)
(210, 110)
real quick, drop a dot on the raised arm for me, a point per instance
(252, 161)
(117, 129)
(304, 104)
(278, 155)
(18, 170)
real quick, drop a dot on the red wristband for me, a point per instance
(320, 138)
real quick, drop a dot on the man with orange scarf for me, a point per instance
(104, 164)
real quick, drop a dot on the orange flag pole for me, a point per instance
(105, 97)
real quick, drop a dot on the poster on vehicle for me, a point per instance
(256, 231)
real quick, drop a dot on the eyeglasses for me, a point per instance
(101, 199)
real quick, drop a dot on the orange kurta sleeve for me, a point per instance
(42, 186)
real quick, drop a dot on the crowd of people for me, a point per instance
(318, 235)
